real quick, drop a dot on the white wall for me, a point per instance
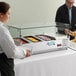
(33, 11)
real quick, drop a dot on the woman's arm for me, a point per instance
(8, 46)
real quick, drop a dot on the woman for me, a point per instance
(8, 49)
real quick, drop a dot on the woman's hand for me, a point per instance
(28, 53)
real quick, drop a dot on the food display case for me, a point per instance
(26, 35)
(38, 39)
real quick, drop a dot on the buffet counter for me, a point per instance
(59, 63)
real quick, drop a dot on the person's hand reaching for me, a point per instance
(67, 31)
(28, 53)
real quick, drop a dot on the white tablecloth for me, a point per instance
(60, 63)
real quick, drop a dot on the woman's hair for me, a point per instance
(4, 7)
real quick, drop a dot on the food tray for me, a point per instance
(45, 37)
(32, 38)
(20, 41)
